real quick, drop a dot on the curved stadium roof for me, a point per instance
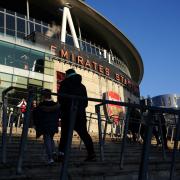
(94, 27)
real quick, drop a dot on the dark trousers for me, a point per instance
(49, 144)
(80, 128)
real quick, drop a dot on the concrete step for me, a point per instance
(87, 171)
(36, 168)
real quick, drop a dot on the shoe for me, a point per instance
(90, 158)
(50, 162)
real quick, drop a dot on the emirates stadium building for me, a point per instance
(41, 39)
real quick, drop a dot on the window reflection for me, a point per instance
(69, 40)
(6, 53)
(10, 25)
(38, 66)
(45, 29)
(88, 47)
(83, 45)
(31, 26)
(93, 50)
(37, 27)
(22, 58)
(20, 27)
(37, 60)
(1, 22)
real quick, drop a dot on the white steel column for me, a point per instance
(67, 17)
(105, 53)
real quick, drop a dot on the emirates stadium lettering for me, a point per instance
(90, 63)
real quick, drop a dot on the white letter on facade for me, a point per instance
(67, 17)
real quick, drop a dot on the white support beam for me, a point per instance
(67, 17)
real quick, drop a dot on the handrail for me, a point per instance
(4, 123)
(144, 159)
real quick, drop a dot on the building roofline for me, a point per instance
(93, 25)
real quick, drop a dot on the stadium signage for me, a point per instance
(93, 63)
(85, 60)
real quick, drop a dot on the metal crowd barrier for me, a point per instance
(143, 170)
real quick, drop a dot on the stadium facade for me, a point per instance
(40, 40)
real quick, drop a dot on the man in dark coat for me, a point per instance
(46, 119)
(72, 85)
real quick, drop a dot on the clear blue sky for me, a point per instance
(153, 26)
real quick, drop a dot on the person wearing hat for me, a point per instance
(72, 85)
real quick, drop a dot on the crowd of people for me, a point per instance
(137, 127)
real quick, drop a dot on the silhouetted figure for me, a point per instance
(160, 120)
(33, 107)
(72, 85)
(134, 123)
(46, 118)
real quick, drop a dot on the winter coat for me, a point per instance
(72, 86)
(46, 118)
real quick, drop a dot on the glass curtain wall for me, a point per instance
(20, 57)
(27, 59)
(15, 24)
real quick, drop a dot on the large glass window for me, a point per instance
(1, 22)
(22, 58)
(31, 26)
(93, 50)
(69, 40)
(6, 53)
(97, 51)
(10, 25)
(38, 27)
(45, 29)
(37, 61)
(20, 27)
(83, 45)
(88, 47)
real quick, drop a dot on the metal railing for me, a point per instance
(143, 170)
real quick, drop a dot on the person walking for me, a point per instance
(134, 123)
(46, 119)
(161, 134)
(72, 85)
